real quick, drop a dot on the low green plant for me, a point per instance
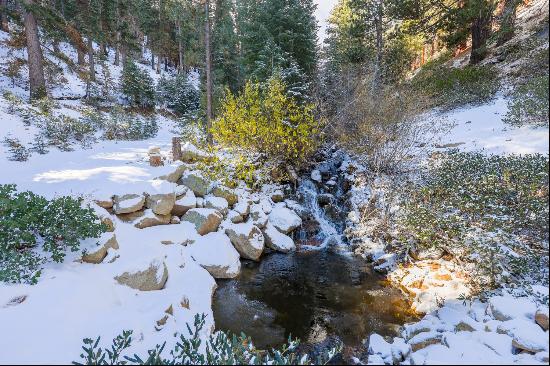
(137, 86)
(528, 104)
(451, 86)
(484, 209)
(125, 125)
(34, 230)
(220, 349)
(178, 94)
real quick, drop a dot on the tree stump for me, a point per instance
(155, 160)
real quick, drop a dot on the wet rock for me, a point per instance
(228, 194)
(128, 203)
(284, 220)
(196, 182)
(153, 278)
(325, 199)
(206, 220)
(247, 239)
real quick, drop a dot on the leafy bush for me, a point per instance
(178, 94)
(221, 349)
(490, 210)
(450, 86)
(124, 125)
(137, 86)
(34, 230)
(268, 121)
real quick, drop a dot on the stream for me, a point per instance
(316, 294)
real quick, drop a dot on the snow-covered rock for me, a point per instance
(257, 216)
(191, 154)
(284, 220)
(128, 203)
(247, 239)
(217, 203)
(227, 193)
(95, 253)
(152, 278)
(507, 307)
(196, 182)
(215, 253)
(148, 218)
(184, 203)
(206, 220)
(276, 240)
(541, 317)
(161, 197)
(526, 334)
(242, 207)
(316, 176)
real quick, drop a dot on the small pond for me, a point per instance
(310, 295)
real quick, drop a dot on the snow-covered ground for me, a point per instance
(482, 128)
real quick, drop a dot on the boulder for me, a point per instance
(316, 176)
(185, 203)
(227, 193)
(147, 218)
(234, 217)
(175, 175)
(192, 154)
(284, 220)
(161, 198)
(257, 216)
(508, 307)
(196, 182)
(215, 253)
(106, 202)
(95, 255)
(277, 196)
(266, 205)
(206, 220)
(526, 335)
(425, 339)
(217, 203)
(247, 239)
(153, 278)
(242, 208)
(128, 203)
(276, 240)
(541, 318)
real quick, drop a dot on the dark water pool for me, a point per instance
(310, 295)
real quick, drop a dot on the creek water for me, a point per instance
(317, 292)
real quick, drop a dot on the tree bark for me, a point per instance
(377, 79)
(37, 81)
(208, 65)
(481, 30)
(180, 50)
(117, 35)
(4, 25)
(508, 21)
(81, 57)
(91, 58)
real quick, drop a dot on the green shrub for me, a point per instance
(17, 151)
(451, 87)
(484, 208)
(178, 94)
(529, 103)
(124, 125)
(221, 349)
(268, 121)
(34, 230)
(137, 86)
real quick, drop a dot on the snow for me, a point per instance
(284, 220)
(216, 250)
(482, 128)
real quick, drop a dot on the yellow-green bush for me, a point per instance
(268, 121)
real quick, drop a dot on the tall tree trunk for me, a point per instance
(508, 21)
(159, 60)
(180, 49)
(152, 60)
(4, 25)
(91, 58)
(80, 57)
(117, 35)
(481, 30)
(377, 79)
(37, 81)
(208, 65)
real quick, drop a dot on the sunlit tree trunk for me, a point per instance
(35, 59)
(208, 67)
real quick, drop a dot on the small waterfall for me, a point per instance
(329, 234)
